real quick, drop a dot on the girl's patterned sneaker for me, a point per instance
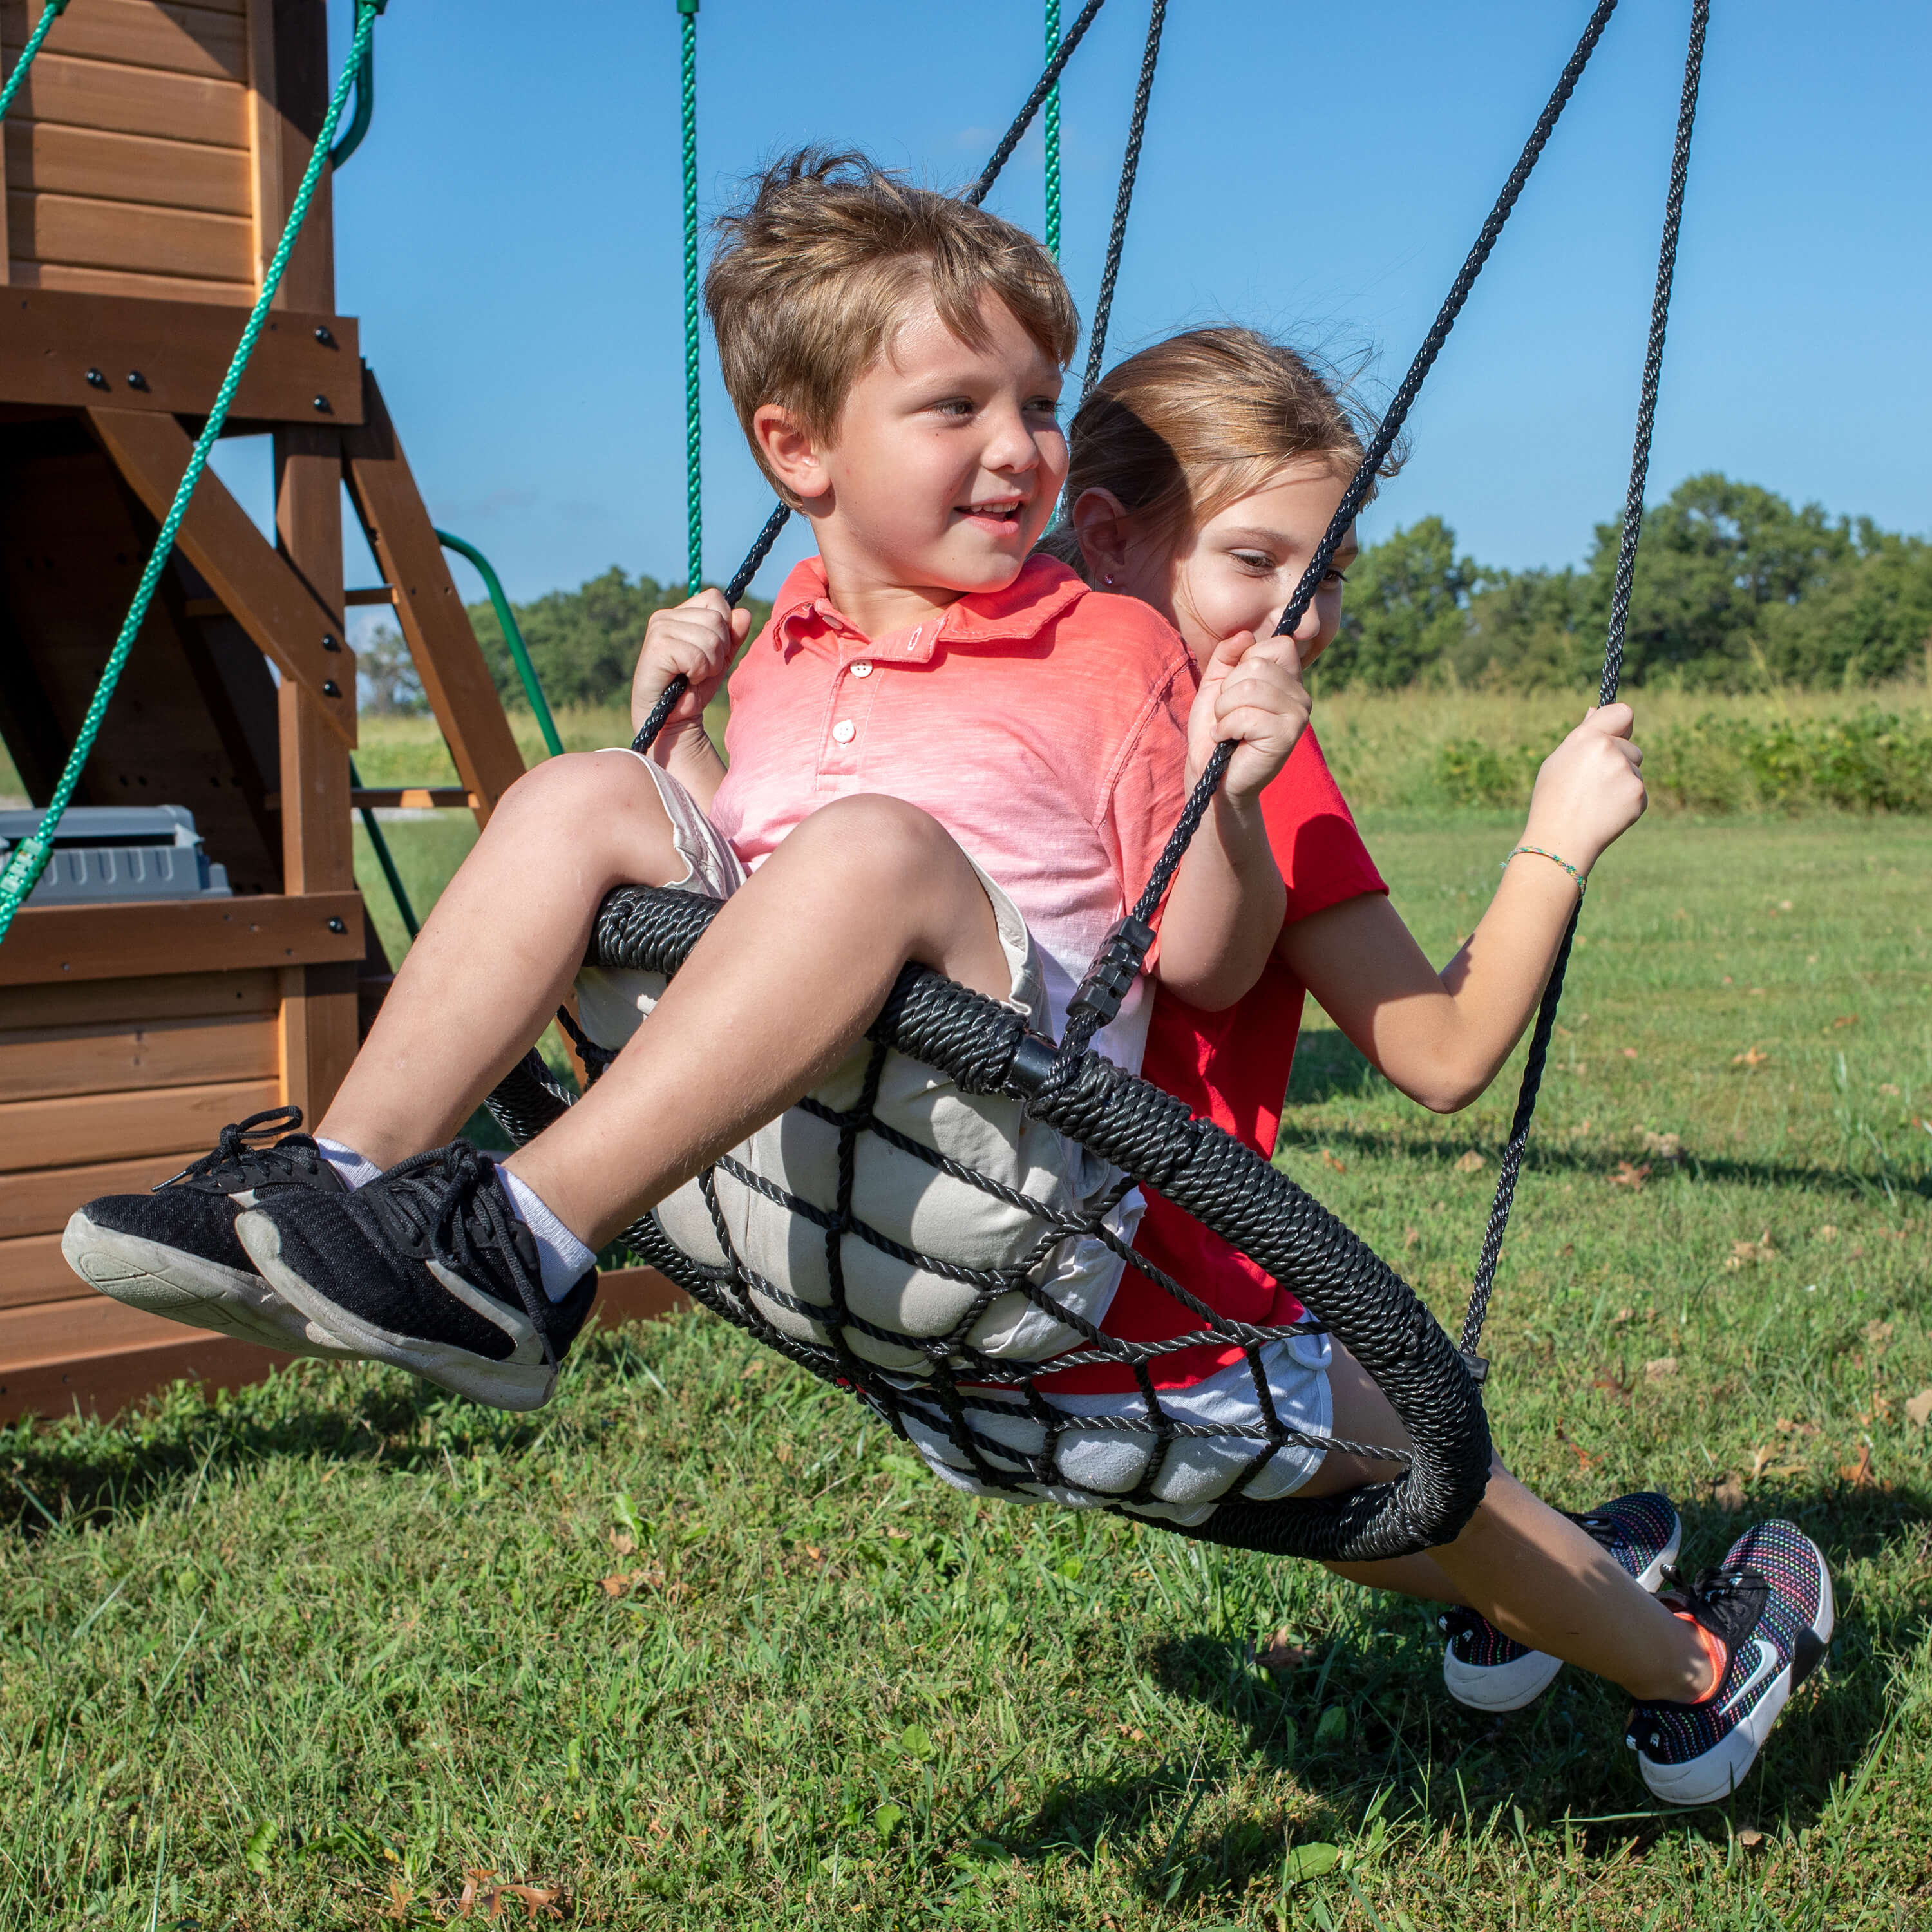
(1490, 1672)
(1771, 1607)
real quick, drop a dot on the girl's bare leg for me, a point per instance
(779, 990)
(499, 950)
(1531, 1571)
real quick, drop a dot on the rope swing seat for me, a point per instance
(960, 1381)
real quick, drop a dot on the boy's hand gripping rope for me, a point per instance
(973, 196)
(1484, 1281)
(29, 858)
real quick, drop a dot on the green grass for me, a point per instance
(696, 1645)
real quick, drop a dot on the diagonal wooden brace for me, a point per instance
(442, 642)
(264, 594)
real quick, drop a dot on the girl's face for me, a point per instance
(1237, 571)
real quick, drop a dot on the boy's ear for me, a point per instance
(791, 454)
(1100, 522)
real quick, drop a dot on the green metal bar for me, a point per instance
(49, 13)
(382, 858)
(512, 636)
(29, 858)
(365, 109)
(694, 574)
(1050, 129)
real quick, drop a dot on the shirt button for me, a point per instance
(844, 731)
(861, 669)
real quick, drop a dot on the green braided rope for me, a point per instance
(693, 339)
(1050, 127)
(29, 858)
(49, 13)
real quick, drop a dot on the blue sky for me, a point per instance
(508, 236)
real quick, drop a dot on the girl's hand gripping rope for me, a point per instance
(696, 640)
(1251, 691)
(1589, 791)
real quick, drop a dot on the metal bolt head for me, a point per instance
(330, 689)
(328, 642)
(96, 380)
(336, 926)
(136, 380)
(323, 336)
(322, 406)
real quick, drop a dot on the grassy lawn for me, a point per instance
(694, 1647)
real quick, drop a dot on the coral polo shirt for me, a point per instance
(1231, 1067)
(1044, 725)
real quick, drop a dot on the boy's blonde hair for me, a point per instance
(813, 272)
(1183, 429)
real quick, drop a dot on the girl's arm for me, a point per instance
(1442, 1037)
(1224, 915)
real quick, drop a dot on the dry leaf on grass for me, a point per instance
(615, 1586)
(1585, 1461)
(1751, 1057)
(623, 1542)
(1788, 1428)
(1918, 1410)
(1660, 1369)
(1281, 1652)
(482, 1889)
(1471, 1163)
(1629, 1177)
(1859, 1473)
(1666, 1146)
(1743, 1254)
(1878, 1336)
(1328, 1160)
(1729, 1495)
(1612, 1385)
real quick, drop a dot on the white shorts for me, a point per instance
(906, 1201)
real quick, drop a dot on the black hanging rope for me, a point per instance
(1099, 998)
(1484, 1281)
(982, 187)
(1117, 236)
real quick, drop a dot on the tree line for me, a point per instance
(1734, 589)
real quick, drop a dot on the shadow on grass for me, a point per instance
(1366, 1729)
(1549, 1156)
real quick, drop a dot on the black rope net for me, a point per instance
(956, 1370)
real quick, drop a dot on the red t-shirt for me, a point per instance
(1231, 1067)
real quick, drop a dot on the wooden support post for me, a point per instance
(442, 641)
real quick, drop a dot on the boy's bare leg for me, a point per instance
(1531, 1571)
(779, 991)
(499, 950)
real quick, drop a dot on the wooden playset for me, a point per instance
(149, 164)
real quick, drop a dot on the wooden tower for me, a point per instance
(149, 162)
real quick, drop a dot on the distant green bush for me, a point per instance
(1871, 761)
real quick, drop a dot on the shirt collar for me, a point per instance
(1044, 589)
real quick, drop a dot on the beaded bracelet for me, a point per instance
(1582, 883)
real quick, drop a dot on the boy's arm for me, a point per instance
(1224, 915)
(696, 640)
(1440, 1037)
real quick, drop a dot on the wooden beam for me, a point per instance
(413, 798)
(65, 944)
(290, 81)
(372, 593)
(40, 1063)
(139, 1002)
(89, 1127)
(282, 616)
(50, 339)
(449, 661)
(40, 1200)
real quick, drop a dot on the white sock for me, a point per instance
(354, 1170)
(561, 1257)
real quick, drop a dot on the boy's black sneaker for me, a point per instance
(1771, 1607)
(1490, 1672)
(426, 1267)
(173, 1251)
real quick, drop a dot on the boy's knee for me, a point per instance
(892, 842)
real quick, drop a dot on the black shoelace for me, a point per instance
(451, 1202)
(236, 1159)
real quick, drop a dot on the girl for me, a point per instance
(1204, 472)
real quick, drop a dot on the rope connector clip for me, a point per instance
(1116, 967)
(1477, 1366)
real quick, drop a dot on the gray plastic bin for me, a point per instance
(102, 852)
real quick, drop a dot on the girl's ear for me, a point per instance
(1099, 520)
(792, 455)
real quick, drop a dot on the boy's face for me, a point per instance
(946, 462)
